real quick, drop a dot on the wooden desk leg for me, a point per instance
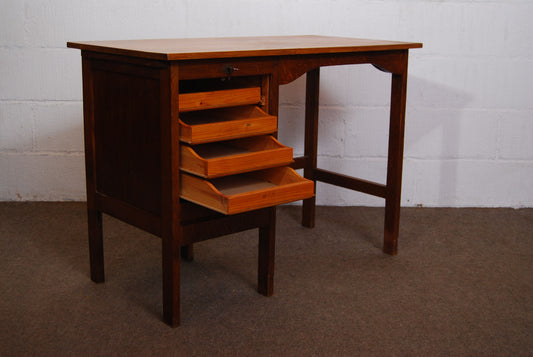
(96, 245)
(311, 141)
(94, 216)
(187, 252)
(395, 161)
(265, 269)
(171, 280)
(171, 229)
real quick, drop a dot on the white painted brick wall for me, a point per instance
(16, 127)
(469, 130)
(42, 176)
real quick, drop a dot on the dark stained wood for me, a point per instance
(192, 213)
(128, 213)
(223, 225)
(292, 67)
(127, 157)
(113, 65)
(264, 219)
(217, 68)
(395, 158)
(352, 183)
(131, 122)
(187, 253)
(219, 83)
(94, 216)
(266, 254)
(311, 141)
(140, 62)
(299, 162)
(96, 245)
(235, 47)
(172, 235)
(270, 94)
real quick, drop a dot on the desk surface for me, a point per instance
(205, 48)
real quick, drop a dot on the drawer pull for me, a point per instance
(228, 70)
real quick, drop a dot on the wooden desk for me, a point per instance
(136, 97)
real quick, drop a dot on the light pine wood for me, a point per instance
(234, 47)
(246, 192)
(219, 99)
(225, 124)
(235, 156)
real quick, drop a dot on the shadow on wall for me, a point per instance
(435, 133)
(360, 112)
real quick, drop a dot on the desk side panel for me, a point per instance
(126, 109)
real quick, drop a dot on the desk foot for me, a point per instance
(187, 253)
(96, 245)
(392, 226)
(171, 276)
(308, 212)
(390, 248)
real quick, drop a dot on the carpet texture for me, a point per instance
(461, 285)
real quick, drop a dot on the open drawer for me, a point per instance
(219, 99)
(246, 192)
(210, 125)
(235, 156)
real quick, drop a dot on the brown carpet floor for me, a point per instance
(461, 285)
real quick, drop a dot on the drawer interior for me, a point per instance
(229, 186)
(210, 125)
(256, 180)
(237, 147)
(234, 156)
(218, 84)
(245, 192)
(213, 116)
(218, 150)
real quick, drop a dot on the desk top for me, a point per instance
(209, 48)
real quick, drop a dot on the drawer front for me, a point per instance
(224, 68)
(225, 124)
(235, 156)
(219, 99)
(246, 192)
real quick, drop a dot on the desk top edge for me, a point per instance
(230, 47)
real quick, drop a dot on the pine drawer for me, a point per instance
(210, 125)
(246, 192)
(235, 156)
(219, 99)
